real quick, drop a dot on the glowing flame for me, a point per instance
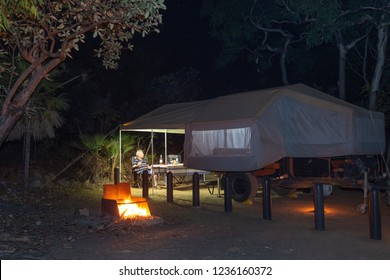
(130, 209)
(327, 209)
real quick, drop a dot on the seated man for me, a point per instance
(140, 163)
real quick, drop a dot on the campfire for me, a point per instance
(130, 209)
(117, 201)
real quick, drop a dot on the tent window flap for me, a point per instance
(221, 142)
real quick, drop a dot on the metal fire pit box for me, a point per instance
(118, 196)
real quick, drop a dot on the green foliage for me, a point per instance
(94, 143)
(94, 162)
(24, 8)
(41, 116)
(4, 78)
(335, 16)
(383, 102)
(321, 30)
(102, 114)
(43, 113)
(180, 86)
(230, 24)
(44, 33)
(266, 30)
(114, 22)
(128, 148)
(270, 29)
(102, 154)
(383, 105)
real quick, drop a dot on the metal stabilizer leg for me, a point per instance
(362, 208)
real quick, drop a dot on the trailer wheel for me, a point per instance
(282, 187)
(243, 186)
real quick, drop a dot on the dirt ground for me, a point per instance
(52, 226)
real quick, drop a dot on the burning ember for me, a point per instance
(131, 209)
(117, 201)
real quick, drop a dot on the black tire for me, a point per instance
(282, 187)
(243, 186)
(387, 197)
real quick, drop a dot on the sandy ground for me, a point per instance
(207, 232)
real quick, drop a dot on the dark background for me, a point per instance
(184, 42)
(178, 64)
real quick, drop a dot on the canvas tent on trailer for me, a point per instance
(247, 131)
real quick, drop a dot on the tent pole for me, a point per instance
(165, 148)
(151, 140)
(120, 153)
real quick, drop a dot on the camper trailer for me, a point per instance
(288, 133)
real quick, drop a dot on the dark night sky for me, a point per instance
(183, 41)
(185, 38)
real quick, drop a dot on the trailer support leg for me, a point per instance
(227, 195)
(319, 213)
(145, 183)
(195, 190)
(267, 215)
(375, 214)
(169, 187)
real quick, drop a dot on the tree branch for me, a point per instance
(22, 78)
(357, 40)
(22, 97)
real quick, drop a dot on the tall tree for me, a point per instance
(332, 24)
(346, 24)
(262, 29)
(381, 23)
(58, 27)
(41, 117)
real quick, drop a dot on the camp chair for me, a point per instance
(137, 179)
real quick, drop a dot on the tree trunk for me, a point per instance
(342, 57)
(7, 122)
(26, 153)
(380, 61)
(113, 165)
(283, 62)
(341, 81)
(15, 103)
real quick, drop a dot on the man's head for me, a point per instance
(139, 154)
